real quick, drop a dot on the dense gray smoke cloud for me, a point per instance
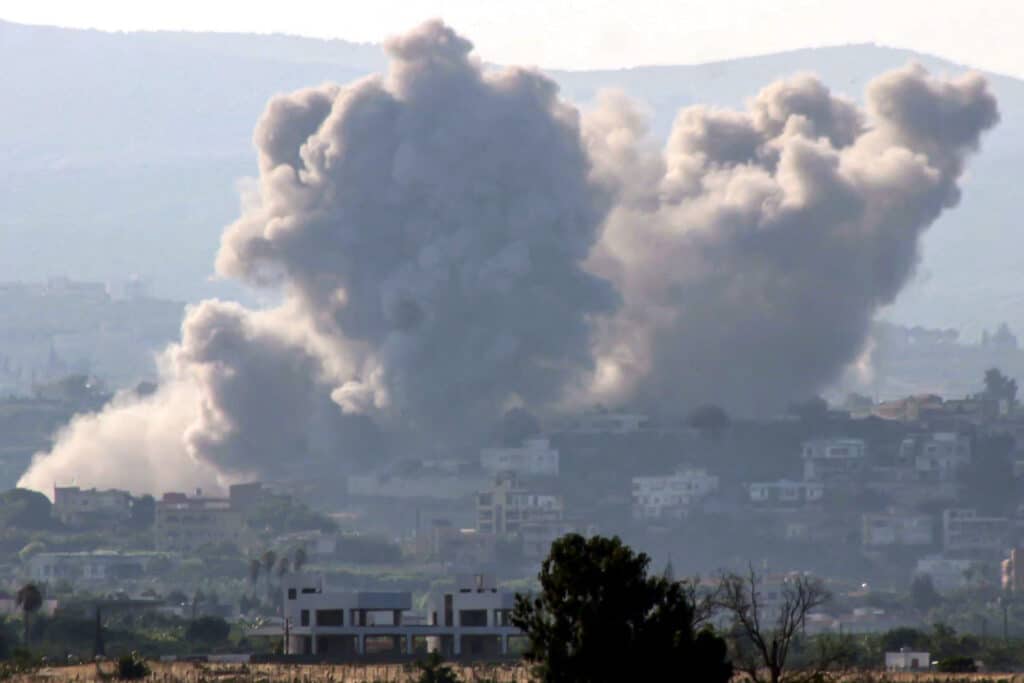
(753, 251)
(454, 243)
(429, 229)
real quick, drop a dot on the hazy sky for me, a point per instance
(591, 33)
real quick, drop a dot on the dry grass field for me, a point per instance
(183, 672)
(385, 673)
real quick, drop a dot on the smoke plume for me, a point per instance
(453, 242)
(753, 250)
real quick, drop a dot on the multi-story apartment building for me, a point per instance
(965, 531)
(97, 567)
(670, 496)
(938, 456)
(880, 530)
(472, 620)
(184, 524)
(535, 458)
(510, 508)
(786, 493)
(834, 459)
(78, 507)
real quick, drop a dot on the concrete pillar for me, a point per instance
(457, 645)
(312, 638)
(504, 644)
(360, 644)
(408, 644)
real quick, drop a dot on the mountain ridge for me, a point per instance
(143, 138)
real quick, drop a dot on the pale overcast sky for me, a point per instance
(591, 33)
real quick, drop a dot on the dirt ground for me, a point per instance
(183, 672)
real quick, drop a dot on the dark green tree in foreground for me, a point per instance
(600, 617)
(29, 600)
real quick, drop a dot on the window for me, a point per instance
(330, 617)
(291, 593)
(473, 617)
(304, 618)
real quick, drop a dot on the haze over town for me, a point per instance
(390, 305)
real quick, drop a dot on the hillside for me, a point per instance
(120, 154)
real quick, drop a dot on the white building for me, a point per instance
(833, 459)
(965, 531)
(472, 620)
(938, 456)
(605, 423)
(947, 573)
(670, 496)
(509, 508)
(785, 492)
(420, 479)
(185, 524)
(906, 660)
(99, 566)
(535, 458)
(890, 529)
(77, 507)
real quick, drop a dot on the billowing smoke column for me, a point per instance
(429, 230)
(452, 243)
(437, 220)
(754, 250)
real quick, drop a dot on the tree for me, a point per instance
(208, 631)
(814, 409)
(299, 559)
(923, 595)
(283, 567)
(26, 510)
(143, 512)
(999, 387)
(254, 570)
(600, 617)
(29, 600)
(763, 635)
(710, 420)
(434, 670)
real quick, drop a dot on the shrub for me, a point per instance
(957, 665)
(132, 667)
(208, 631)
(434, 670)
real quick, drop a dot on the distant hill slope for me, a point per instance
(120, 153)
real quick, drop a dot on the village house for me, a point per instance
(535, 458)
(833, 460)
(670, 496)
(966, 531)
(76, 507)
(888, 529)
(185, 524)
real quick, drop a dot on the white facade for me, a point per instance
(473, 619)
(606, 423)
(535, 458)
(938, 456)
(785, 492)
(964, 530)
(433, 483)
(670, 495)
(881, 530)
(98, 566)
(836, 458)
(905, 660)
(76, 507)
(947, 573)
(184, 524)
